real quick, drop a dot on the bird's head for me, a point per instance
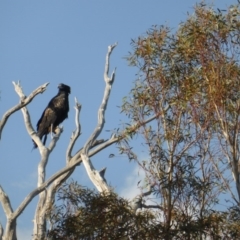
(65, 88)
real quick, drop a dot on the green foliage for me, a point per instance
(85, 214)
(197, 68)
(189, 80)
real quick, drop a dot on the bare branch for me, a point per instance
(75, 161)
(30, 130)
(76, 133)
(51, 191)
(137, 201)
(1, 231)
(52, 144)
(94, 175)
(102, 172)
(152, 206)
(34, 136)
(11, 223)
(5, 203)
(10, 230)
(103, 106)
(23, 102)
(110, 49)
(44, 152)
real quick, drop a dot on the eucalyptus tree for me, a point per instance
(189, 81)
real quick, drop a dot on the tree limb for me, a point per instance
(23, 102)
(75, 160)
(103, 106)
(137, 201)
(151, 206)
(76, 133)
(10, 231)
(5, 203)
(94, 175)
(1, 231)
(57, 182)
(44, 152)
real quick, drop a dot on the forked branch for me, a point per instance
(97, 179)
(23, 102)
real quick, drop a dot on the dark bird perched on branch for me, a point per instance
(55, 113)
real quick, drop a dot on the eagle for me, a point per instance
(54, 114)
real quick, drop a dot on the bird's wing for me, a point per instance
(45, 122)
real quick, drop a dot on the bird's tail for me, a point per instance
(40, 136)
(34, 144)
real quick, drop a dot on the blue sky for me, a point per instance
(66, 42)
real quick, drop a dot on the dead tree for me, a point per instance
(46, 188)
